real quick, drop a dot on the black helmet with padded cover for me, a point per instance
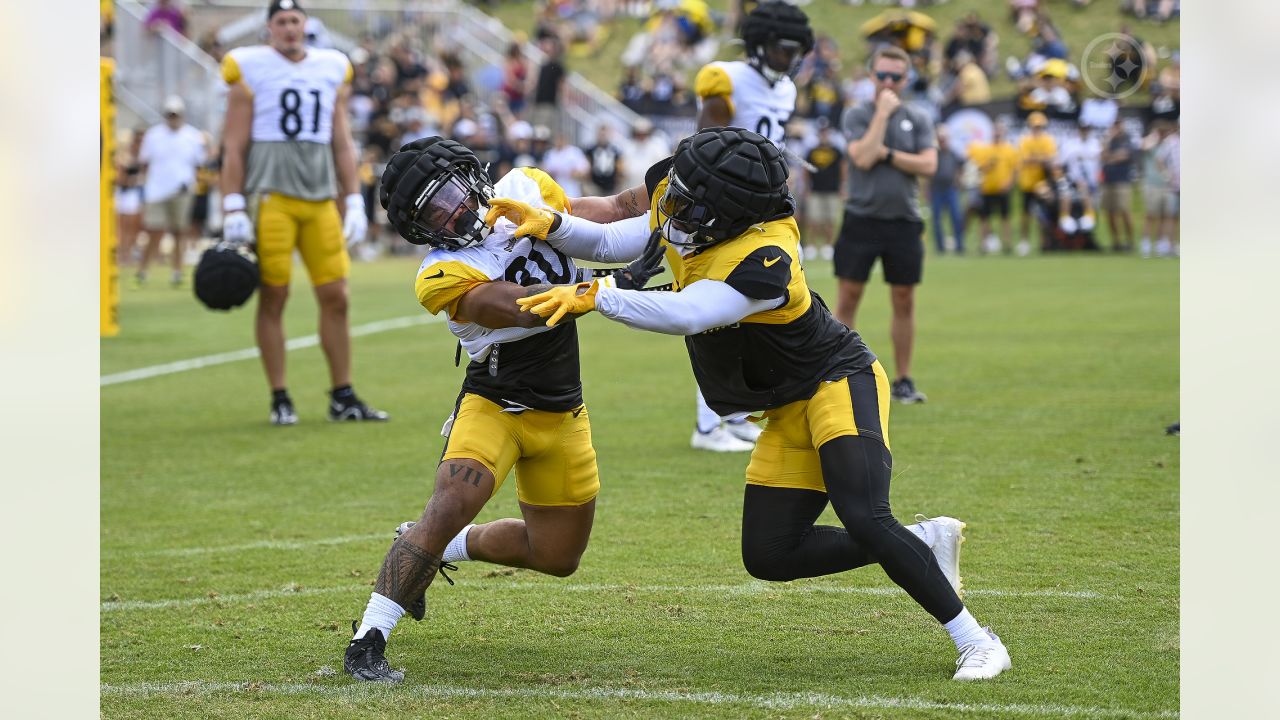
(226, 276)
(723, 181)
(432, 190)
(772, 22)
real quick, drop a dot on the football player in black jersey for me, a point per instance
(521, 401)
(763, 345)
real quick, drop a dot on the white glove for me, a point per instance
(355, 225)
(237, 228)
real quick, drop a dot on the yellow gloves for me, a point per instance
(562, 300)
(530, 221)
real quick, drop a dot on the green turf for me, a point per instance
(1050, 380)
(1079, 26)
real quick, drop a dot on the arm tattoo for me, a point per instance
(469, 475)
(631, 201)
(406, 573)
(535, 289)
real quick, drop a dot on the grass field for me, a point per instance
(234, 555)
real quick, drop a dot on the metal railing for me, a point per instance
(152, 65)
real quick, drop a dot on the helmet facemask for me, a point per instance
(778, 49)
(686, 221)
(449, 212)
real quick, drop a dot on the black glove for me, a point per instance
(639, 271)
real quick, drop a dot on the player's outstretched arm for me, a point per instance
(699, 307)
(632, 202)
(612, 242)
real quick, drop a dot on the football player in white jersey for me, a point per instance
(755, 94)
(288, 142)
(521, 401)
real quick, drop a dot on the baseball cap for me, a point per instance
(520, 130)
(465, 128)
(282, 5)
(1037, 119)
(643, 126)
(173, 105)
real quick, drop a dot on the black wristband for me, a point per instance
(888, 156)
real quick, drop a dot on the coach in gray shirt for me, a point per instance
(891, 147)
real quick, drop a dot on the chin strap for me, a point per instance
(757, 62)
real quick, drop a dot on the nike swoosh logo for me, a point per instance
(439, 273)
(772, 262)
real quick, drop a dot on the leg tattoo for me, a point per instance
(406, 574)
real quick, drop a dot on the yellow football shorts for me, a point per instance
(786, 453)
(551, 451)
(313, 227)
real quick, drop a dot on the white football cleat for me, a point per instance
(982, 660)
(719, 440)
(946, 534)
(745, 430)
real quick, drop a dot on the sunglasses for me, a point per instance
(890, 76)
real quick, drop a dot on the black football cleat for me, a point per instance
(354, 409)
(282, 412)
(366, 659)
(905, 392)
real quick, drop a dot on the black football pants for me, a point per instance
(781, 542)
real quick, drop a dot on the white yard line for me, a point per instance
(753, 588)
(117, 605)
(352, 691)
(260, 545)
(250, 353)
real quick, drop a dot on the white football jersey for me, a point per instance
(292, 101)
(756, 105)
(446, 275)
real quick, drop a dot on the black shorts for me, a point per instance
(1028, 202)
(993, 203)
(898, 243)
(200, 210)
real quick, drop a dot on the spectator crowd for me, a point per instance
(1056, 161)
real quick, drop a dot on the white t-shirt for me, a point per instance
(561, 163)
(641, 156)
(172, 157)
(1082, 158)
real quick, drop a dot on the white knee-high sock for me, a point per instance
(382, 613)
(457, 548)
